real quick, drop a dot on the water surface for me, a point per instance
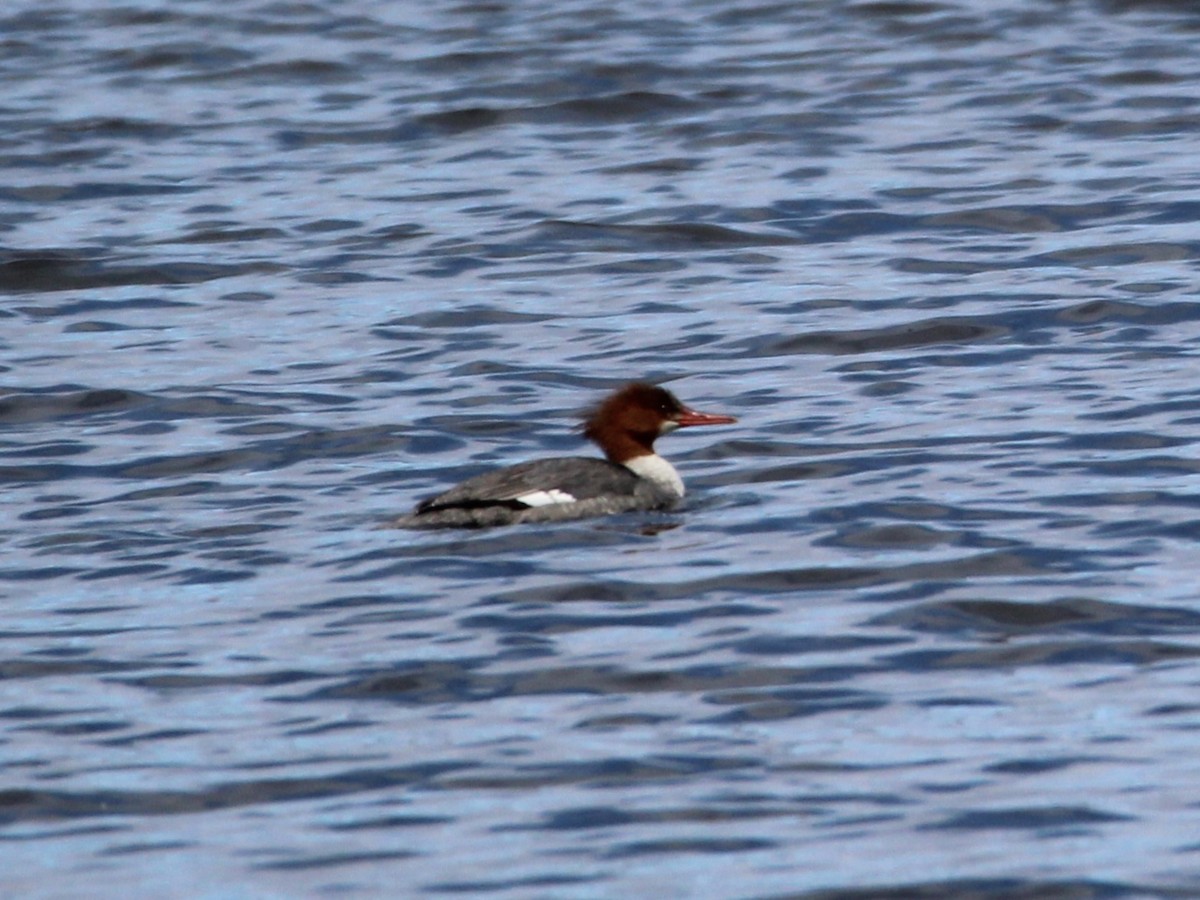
(927, 624)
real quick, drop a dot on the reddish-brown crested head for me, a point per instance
(627, 422)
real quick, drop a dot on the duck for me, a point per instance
(632, 475)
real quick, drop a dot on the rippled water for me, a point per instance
(928, 624)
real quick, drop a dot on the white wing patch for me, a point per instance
(545, 498)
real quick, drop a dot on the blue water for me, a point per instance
(928, 622)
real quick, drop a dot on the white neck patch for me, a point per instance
(655, 469)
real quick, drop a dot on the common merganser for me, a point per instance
(633, 476)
